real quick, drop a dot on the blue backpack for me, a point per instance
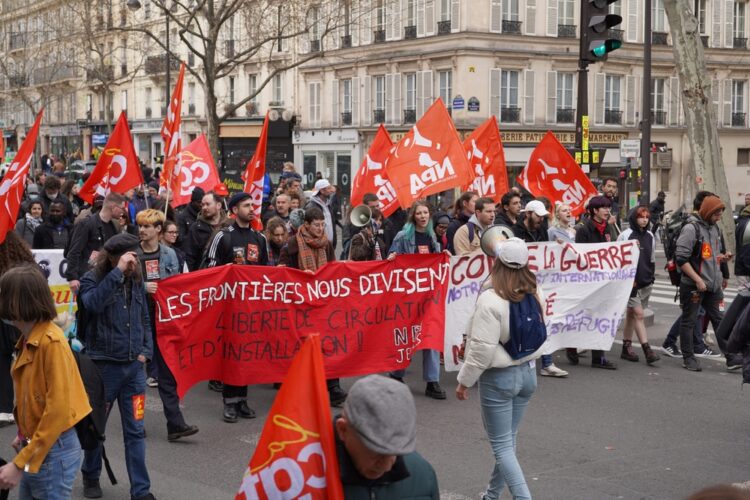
(527, 329)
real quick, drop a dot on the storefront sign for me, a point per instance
(535, 136)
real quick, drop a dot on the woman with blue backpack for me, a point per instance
(505, 338)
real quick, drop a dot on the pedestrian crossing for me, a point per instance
(663, 292)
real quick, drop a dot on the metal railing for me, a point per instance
(566, 115)
(658, 38)
(378, 36)
(613, 116)
(156, 65)
(704, 40)
(443, 27)
(346, 42)
(229, 48)
(410, 32)
(346, 118)
(314, 46)
(566, 30)
(659, 117)
(510, 115)
(618, 34)
(738, 119)
(512, 27)
(410, 116)
(739, 43)
(378, 115)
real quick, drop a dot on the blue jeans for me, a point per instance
(430, 366)
(504, 394)
(55, 478)
(674, 332)
(126, 384)
(546, 360)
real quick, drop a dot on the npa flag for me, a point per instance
(171, 135)
(371, 176)
(296, 454)
(484, 149)
(553, 173)
(2, 146)
(254, 174)
(117, 169)
(429, 159)
(14, 181)
(196, 169)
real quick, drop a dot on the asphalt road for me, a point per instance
(636, 433)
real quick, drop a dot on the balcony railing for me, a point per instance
(618, 34)
(229, 48)
(659, 117)
(378, 36)
(512, 27)
(50, 74)
(704, 40)
(191, 109)
(314, 46)
(410, 32)
(510, 115)
(739, 43)
(17, 40)
(613, 116)
(101, 115)
(566, 30)
(191, 59)
(738, 119)
(148, 112)
(100, 74)
(346, 42)
(156, 65)
(378, 115)
(410, 116)
(566, 115)
(346, 118)
(123, 69)
(658, 38)
(443, 27)
(18, 81)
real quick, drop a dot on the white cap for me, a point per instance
(513, 253)
(321, 184)
(537, 207)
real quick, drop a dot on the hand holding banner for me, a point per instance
(297, 437)
(429, 159)
(118, 169)
(371, 176)
(553, 173)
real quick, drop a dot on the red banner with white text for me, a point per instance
(243, 324)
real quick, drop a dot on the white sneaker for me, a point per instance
(6, 419)
(152, 382)
(553, 371)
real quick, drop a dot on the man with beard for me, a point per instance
(609, 189)
(54, 233)
(238, 244)
(531, 229)
(323, 198)
(281, 208)
(117, 337)
(211, 220)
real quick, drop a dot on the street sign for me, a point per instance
(473, 104)
(458, 102)
(630, 148)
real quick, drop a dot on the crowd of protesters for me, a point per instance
(120, 246)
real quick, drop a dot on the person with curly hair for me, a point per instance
(13, 251)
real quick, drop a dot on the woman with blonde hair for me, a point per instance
(562, 229)
(505, 371)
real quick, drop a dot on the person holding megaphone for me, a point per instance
(366, 244)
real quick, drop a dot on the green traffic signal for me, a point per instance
(607, 47)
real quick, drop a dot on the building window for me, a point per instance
(146, 9)
(124, 100)
(510, 10)
(347, 96)
(566, 12)
(89, 106)
(616, 8)
(278, 90)
(191, 98)
(147, 102)
(252, 88)
(379, 15)
(445, 10)
(380, 92)
(565, 111)
(314, 100)
(509, 110)
(740, 40)
(738, 103)
(612, 112)
(445, 85)
(658, 17)
(699, 9)
(231, 90)
(411, 17)
(411, 91)
(658, 106)
(743, 157)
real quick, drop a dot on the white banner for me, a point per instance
(586, 289)
(53, 266)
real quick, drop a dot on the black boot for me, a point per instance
(627, 351)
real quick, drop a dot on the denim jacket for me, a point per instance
(169, 265)
(117, 331)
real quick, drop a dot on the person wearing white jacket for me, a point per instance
(505, 384)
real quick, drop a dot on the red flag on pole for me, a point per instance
(2, 146)
(14, 181)
(171, 135)
(196, 169)
(484, 148)
(296, 454)
(371, 176)
(429, 159)
(553, 173)
(255, 173)
(117, 169)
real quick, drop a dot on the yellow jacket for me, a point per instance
(50, 396)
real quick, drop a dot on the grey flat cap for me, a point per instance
(382, 412)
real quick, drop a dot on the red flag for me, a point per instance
(296, 453)
(171, 135)
(14, 181)
(2, 146)
(254, 174)
(429, 159)
(117, 169)
(484, 148)
(553, 173)
(371, 177)
(196, 169)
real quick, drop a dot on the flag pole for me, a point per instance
(145, 194)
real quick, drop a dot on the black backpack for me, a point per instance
(527, 329)
(673, 229)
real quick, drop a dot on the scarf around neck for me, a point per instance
(312, 251)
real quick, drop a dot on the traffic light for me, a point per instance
(596, 38)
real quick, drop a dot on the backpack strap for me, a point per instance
(471, 231)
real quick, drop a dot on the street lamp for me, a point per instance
(135, 5)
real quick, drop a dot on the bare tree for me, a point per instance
(224, 35)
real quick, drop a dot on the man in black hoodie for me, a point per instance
(510, 209)
(188, 216)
